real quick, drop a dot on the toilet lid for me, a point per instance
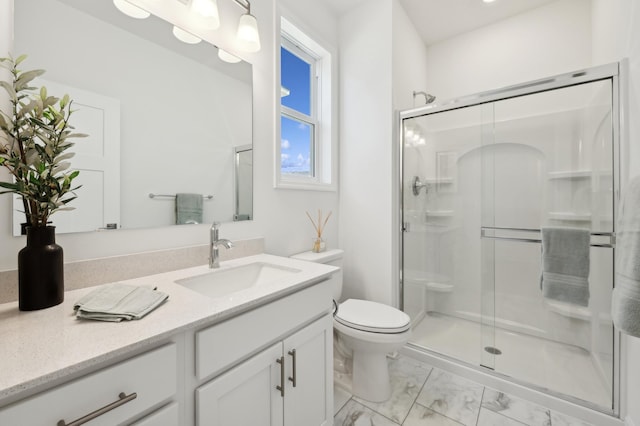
(372, 316)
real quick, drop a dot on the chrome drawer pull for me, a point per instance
(281, 387)
(293, 379)
(124, 398)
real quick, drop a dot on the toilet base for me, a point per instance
(371, 376)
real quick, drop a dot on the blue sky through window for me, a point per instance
(296, 140)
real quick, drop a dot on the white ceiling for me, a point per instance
(436, 20)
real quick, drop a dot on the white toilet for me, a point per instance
(369, 330)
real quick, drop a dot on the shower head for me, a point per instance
(427, 97)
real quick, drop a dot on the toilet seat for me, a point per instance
(372, 317)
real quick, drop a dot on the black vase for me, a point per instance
(40, 270)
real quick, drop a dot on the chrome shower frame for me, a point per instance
(616, 72)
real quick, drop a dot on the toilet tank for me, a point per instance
(328, 257)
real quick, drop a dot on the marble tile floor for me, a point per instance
(427, 396)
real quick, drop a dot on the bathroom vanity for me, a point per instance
(258, 355)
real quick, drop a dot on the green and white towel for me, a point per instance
(117, 302)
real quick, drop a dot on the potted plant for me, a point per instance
(34, 141)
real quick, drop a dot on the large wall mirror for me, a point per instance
(164, 117)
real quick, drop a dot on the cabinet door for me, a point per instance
(245, 395)
(166, 416)
(310, 402)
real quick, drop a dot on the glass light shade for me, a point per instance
(207, 10)
(248, 36)
(130, 9)
(185, 36)
(227, 57)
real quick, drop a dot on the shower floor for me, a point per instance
(555, 366)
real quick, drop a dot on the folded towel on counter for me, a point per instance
(565, 264)
(188, 208)
(625, 306)
(117, 302)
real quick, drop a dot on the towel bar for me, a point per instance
(152, 195)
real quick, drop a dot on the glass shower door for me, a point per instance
(480, 184)
(442, 250)
(553, 169)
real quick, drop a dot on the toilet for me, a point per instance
(368, 330)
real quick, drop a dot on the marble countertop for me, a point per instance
(38, 347)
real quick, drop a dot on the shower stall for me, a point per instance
(481, 176)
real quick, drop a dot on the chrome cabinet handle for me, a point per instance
(293, 379)
(281, 387)
(124, 398)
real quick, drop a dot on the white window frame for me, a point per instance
(324, 154)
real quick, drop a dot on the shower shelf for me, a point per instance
(568, 310)
(577, 174)
(438, 180)
(439, 213)
(439, 287)
(570, 216)
(571, 174)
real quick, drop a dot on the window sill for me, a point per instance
(306, 186)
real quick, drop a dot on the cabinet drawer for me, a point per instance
(151, 376)
(165, 416)
(223, 344)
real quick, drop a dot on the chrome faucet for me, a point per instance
(214, 242)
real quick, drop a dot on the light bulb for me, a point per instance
(130, 9)
(227, 57)
(248, 36)
(208, 11)
(185, 36)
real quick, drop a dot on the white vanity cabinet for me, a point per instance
(287, 382)
(117, 395)
(196, 360)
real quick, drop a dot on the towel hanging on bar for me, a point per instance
(565, 264)
(152, 195)
(188, 209)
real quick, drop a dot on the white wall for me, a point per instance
(409, 61)
(549, 40)
(279, 214)
(366, 151)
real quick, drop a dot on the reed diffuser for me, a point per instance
(318, 243)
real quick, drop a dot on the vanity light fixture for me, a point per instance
(130, 9)
(184, 36)
(247, 35)
(227, 57)
(488, 1)
(207, 10)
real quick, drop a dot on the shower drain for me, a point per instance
(492, 350)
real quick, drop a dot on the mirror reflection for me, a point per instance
(164, 117)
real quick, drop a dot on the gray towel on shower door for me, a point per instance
(565, 264)
(625, 304)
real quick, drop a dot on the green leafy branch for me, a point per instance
(34, 138)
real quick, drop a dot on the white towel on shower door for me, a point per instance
(625, 306)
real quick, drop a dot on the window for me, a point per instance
(298, 122)
(306, 152)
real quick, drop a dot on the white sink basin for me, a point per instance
(222, 282)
